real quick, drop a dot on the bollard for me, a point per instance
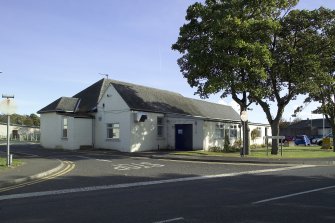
(10, 160)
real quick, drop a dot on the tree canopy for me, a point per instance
(29, 120)
(261, 51)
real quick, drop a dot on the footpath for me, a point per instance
(35, 167)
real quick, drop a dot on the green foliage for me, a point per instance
(254, 134)
(29, 120)
(261, 51)
(215, 149)
(237, 143)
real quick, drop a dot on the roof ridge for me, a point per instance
(201, 100)
(143, 86)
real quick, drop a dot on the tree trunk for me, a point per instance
(275, 132)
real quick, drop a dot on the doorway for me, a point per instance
(184, 137)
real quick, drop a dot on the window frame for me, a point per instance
(65, 127)
(112, 126)
(160, 127)
(219, 131)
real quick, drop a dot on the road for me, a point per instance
(115, 188)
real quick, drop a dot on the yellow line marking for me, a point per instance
(70, 166)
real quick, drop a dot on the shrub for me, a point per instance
(237, 143)
(215, 149)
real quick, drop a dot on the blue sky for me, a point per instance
(54, 48)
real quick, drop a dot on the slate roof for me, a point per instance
(141, 98)
(63, 104)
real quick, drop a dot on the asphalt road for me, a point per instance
(113, 188)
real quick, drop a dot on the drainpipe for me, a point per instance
(93, 133)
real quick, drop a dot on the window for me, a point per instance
(64, 128)
(233, 131)
(219, 131)
(160, 126)
(113, 131)
(259, 132)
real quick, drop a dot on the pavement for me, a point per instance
(32, 168)
(35, 167)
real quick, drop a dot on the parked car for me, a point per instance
(330, 135)
(302, 140)
(315, 139)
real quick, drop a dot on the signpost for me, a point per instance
(277, 138)
(7, 106)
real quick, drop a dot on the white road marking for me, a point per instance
(102, 160)
(144, 183)
(170, 220)
(85, 157)
(293, 195)
(91, 158)
(136, 166)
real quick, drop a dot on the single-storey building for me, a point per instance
(310, 127)
(20, 132)
(127, 117)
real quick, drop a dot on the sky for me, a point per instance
(55, 48)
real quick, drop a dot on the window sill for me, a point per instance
(65, 139)
(112, 140)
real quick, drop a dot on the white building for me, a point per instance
(127, 117)
(20, 132)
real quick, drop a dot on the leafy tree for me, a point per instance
(30, 120)
(35, 119)
(258, 51)
(254, 134)
(322, 86)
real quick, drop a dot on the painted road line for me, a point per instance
(293, 195)
(170, 220)
(91, 158)
(227, 163)
(143, 183)
(136, 166)
(102, 160)
(84, 157)
(70, 166)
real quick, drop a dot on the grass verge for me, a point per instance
(3, 163)
(293, 152)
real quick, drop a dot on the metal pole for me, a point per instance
(245, 138)
(323, 125)
(8, 135)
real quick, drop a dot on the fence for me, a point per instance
(30, 137)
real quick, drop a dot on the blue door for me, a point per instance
(184, 137)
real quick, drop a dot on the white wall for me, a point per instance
(82, 132)
(51, 130)
(197, 125)
(210, 139)
(259, 140)
(144, 134)
(112, 109)
(21, 130)
(79, 132)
